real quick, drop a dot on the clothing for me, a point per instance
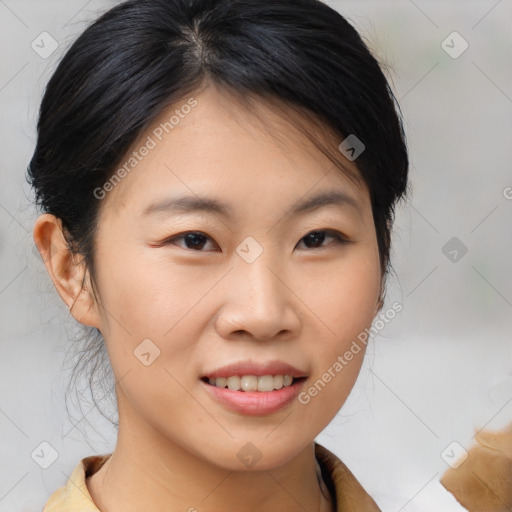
(481, 479)
(347, 493)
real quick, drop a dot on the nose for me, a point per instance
(259, 302)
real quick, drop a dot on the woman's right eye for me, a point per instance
(194, 239)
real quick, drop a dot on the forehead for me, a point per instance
(218, 147)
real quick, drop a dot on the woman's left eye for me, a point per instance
(196, 239)
(318, 236)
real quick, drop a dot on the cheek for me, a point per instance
(148, 296)
(344, 304)
(154, 312)
(168, 304)
(343, 294)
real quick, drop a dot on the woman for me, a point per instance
(218, 182)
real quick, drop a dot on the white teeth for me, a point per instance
(250, 383)
(234, 382)
(278, 381)
(263, 383)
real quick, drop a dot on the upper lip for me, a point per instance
(242, 368)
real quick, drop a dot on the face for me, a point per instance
(257, 283)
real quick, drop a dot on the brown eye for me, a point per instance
(194, 240)
(316, 238)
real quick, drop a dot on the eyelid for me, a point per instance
(331, 232)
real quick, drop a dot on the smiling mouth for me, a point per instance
(253, 383)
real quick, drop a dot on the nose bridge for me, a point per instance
(259, 270)
(260, 303)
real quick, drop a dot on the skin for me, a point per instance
(206, 307)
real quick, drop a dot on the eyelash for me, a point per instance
(331, 233)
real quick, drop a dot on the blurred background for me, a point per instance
(437, 372)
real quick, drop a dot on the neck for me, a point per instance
(149, 471)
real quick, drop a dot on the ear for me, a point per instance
(70, 277)
(380, 301)
(378, 307)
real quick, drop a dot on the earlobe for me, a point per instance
(69, 276)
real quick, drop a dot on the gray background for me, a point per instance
(441, 369)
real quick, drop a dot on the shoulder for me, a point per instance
(347, 492)
(74, 495)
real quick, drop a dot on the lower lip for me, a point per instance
(255, 403)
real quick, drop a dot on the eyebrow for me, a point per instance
(191, 204)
